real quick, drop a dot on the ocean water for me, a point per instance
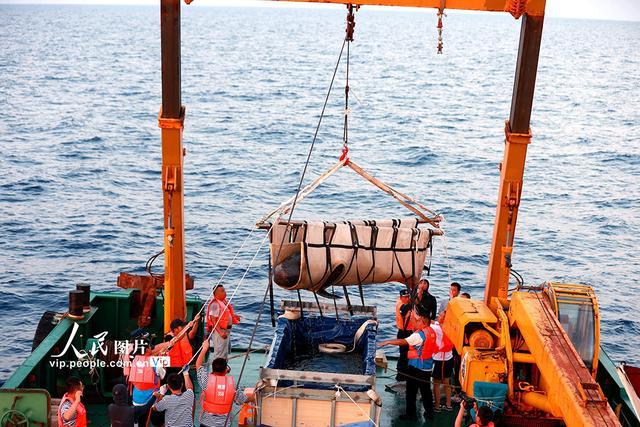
(80, 196)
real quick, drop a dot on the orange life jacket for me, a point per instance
(403, 323)
(425, 350)
(447, 345)
(225, 311)
(218, 397)
(247, 415)
(141, 373)
(180, 353)
(81, 413)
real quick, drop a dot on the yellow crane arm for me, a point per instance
(570, 389)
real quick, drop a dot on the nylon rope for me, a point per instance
(228, 300)
(209, 298)
(302, 175)
(342, 390)
(446, 252)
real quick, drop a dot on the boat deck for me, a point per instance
(392, 404)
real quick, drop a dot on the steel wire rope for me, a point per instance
(293, 206)
(182, 333)
(446, 252)
(246, 271)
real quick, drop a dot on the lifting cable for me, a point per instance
(210, 297)
(302, 175)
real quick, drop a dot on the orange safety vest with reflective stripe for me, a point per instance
(403, 323)
(142, 375)
(225, 311)
(218, 397)
(181, 352)
(421, 356)
(81, 413)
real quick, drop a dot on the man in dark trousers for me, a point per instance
(422, 345)
(427, 302)
(405, 328)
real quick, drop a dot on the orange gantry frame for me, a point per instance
(517, 8)
(512, 167)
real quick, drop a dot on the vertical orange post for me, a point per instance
(517, 139)
(171, 121)
(511, 174)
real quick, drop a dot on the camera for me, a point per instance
(468, 402)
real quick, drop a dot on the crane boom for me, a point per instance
(171, 121)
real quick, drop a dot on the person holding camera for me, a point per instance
(484, 414)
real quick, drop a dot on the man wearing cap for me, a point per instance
(220, 318)
(405, 328)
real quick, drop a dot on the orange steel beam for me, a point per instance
(515, 7)
(517, 139)
(571, 391)
(171, 121)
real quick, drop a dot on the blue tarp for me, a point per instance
(302, 336)
(489, 394)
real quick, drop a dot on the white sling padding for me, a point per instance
(316, 255)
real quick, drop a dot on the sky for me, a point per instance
(624, 10)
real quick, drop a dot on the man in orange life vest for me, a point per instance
(422, 345)
(143, 379)
(71, 412)
(181, 352)
(220, 318)
(405, 328)
(218, 390)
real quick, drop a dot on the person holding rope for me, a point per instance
(220, 318)
(177, 343)
(218, 390)
(422, 345)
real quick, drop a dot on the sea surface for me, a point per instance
(80, 192)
